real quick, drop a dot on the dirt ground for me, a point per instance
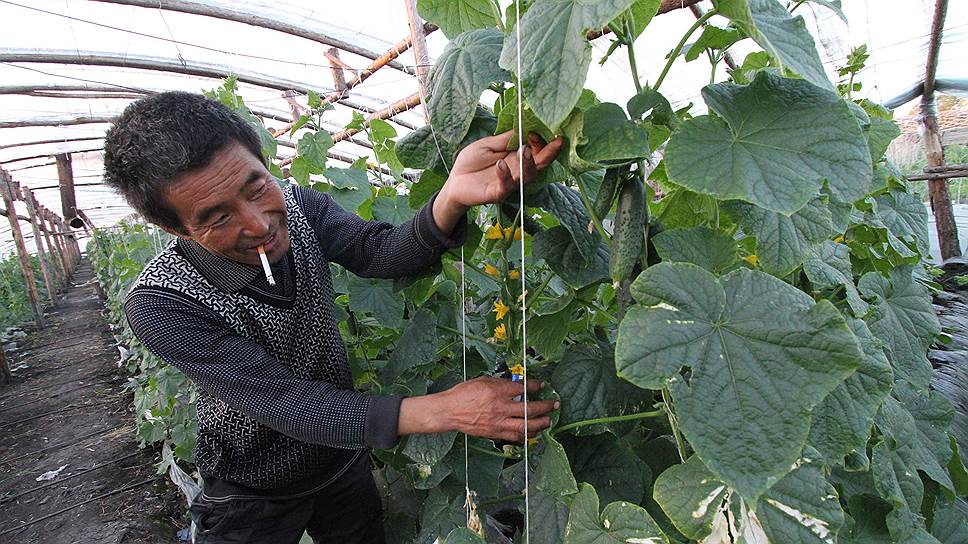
(67, 406)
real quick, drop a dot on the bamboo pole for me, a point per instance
(393, 109)
(418, 40)
(6, 191)
(51, 141)
(337, 69)
(38, 241)
(255, 19)
(46, 155)
(59, 122)
(381, 61)
(938, 193)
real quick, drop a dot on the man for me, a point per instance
(283, 437)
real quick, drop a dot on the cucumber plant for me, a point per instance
(731, 306)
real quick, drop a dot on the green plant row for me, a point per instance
(738, 342)
(13, 291)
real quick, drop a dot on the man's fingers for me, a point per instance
(530, 170)
(536, 408)
(548, 153)
(497, 143)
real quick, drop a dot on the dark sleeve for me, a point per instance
(241, 373)
(376, 249)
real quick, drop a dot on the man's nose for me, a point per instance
(255, 223)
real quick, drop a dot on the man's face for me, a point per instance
(232, 206)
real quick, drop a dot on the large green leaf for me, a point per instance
(828, 266)
(702, 246)
(350, 187)
(376, 297)
(458, 16)
(782, 35)
(463, 71)
(429, 449)
(424, 150)
(906, 216)
(559, 251)
(589, 388)
(566, 204)
(549, 517)
(904, 320)
(394, 209)
(637, 17)
(783, 241)
(417, 345)
(554, 52)
(775, 143)
(802, 507)
(609, 138)
(620, 522)
(463, 535)
(553, 475)
(607, 463)
(761, 355)
(313, 147)
(842, 422)
(546, 333)
(691, 496)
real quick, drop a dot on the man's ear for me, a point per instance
(176, 232)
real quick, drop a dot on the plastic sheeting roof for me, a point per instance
(896, 32)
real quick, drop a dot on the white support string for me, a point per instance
(524, 292)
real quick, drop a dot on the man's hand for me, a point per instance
(486, 172)
(480, 407)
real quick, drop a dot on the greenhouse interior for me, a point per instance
(466, 271)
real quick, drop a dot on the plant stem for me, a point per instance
(613, 419)
(469, 335)
(674, 423)
(631, 51)
(591, 212)
(682, 43)
(492, 452)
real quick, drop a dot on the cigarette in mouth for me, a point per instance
(265, 265)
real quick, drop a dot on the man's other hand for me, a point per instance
(482, 407)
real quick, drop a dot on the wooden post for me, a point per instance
(944, 216)
(38, 241)
(58, 260)
(419, 46)
(336, 68)
(48, 216)
(65, 174)
(6, 191)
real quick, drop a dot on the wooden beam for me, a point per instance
(28, 198)
(255, 19)
(59, 121)
(54, 89)
(6, 192)
(164, 64)
(52, 141)
(934, 148)
(46, 155)
(948, 174)
(418, 42)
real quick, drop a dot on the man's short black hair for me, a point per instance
(162, 136)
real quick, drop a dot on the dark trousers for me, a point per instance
(344, 511)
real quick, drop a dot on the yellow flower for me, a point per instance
(500, 332)
(494, 232)
(517, 233)
(839, 239)
(517, 369)
(752, 259)
(514, 274)
(491, 271)
(500, 309)
(507, 233)
(532, 442)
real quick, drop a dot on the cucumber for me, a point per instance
(606, 192)
(628, 238)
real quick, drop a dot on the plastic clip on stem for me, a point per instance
(265, 266)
